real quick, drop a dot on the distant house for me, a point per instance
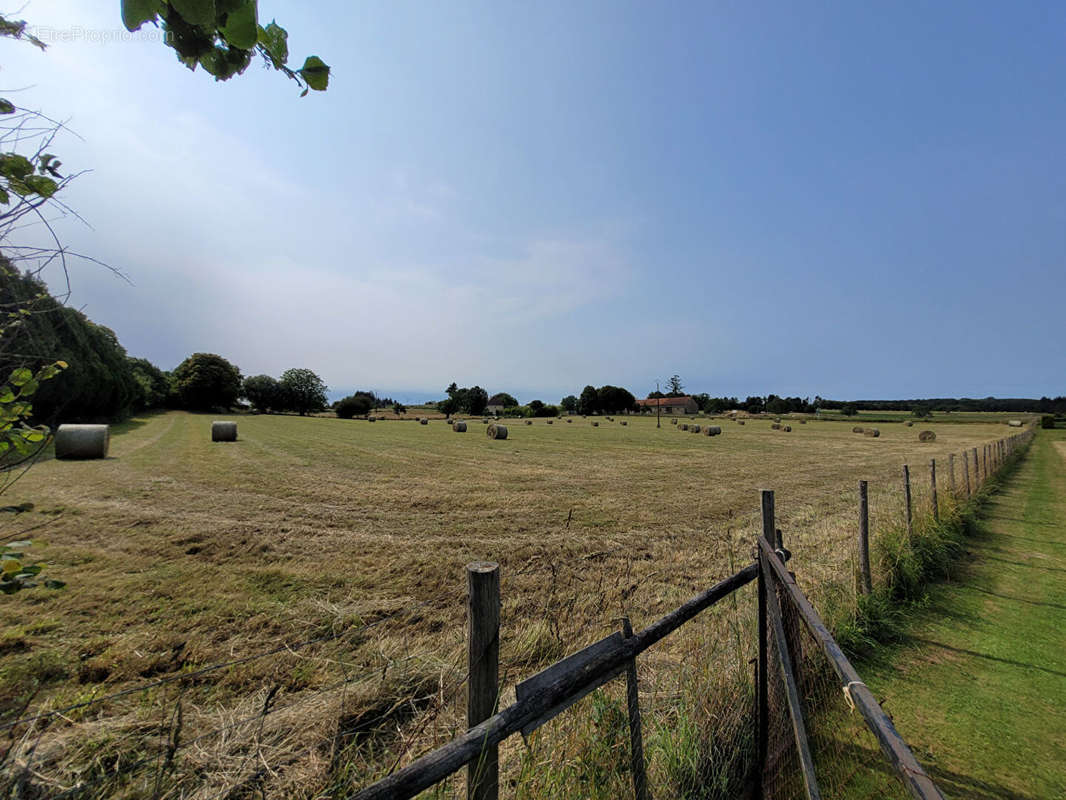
(493, 409)
(669, 405)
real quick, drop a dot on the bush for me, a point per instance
(356, 405)
(1047, 421)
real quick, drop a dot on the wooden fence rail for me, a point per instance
(553, 690)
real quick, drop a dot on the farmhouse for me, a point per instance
(669, 405)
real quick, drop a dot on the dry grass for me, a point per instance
(179, 552)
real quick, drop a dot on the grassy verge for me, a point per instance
(976, 679)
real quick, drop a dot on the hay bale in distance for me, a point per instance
(222, 431)
(371, 419)
(740, 422)
(775, 426)
(787, 429)
(623, 422)
(551, 421)
(694, 428)
(673, 422)
(569, 421)
(423, 421)
(927, 436)
(459, 426)
(684, 426)
(712, 430)
(595, 424)
(86, 441)
(529, 422)
(496, 431)
(856, 429)
(1014, 423)
(909, 423)
(872, 433)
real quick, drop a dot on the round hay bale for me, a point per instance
(712, 430)
(775, 426)
(1014, 423)
(569, 421)
(803, 422)
(856, 429)
(684, 426)
(909, 424)
(673, 422)
(484, 422)
(459, 426)
(423, 421)
(87, 441)
(595, 424)
(787, 429)
(371, 419)
(872, 432)
(694, 428)
(927, 436)
(496, 431)
(740, 422)
(223, 431)
(623, 422)
(550, 422)
(529, 422)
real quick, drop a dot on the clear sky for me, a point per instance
(855, 200)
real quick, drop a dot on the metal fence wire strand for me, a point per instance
(847, 759)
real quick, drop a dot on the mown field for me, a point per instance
(179, 553)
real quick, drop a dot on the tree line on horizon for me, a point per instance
(103, 382)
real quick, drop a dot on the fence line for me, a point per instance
(556, 688)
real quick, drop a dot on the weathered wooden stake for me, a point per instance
(932, 486)
(483, 663)
(762, 726)
(636, 741)
(966, 470)
(951, 474)
(867, 585)
(907, 499)
(976, 471)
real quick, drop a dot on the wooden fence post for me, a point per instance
(932, 486)
(976, 471)
(966, 470)
(636, 741)
(483, 663)
(762, 726)
(907, 499)
(866, 585)
(951, 474)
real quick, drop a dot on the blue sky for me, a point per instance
(844, 199)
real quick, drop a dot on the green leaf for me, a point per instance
(242, 27)
(276, 41)
(15, 167)
(28, 388)
(34, 436)
(54, 584)
(137, 12)
(315, 72)
(45, 187)
(6, 395)
(20, 376)
(196, 12)
(10, 566)
(31, 571)
(6, 106)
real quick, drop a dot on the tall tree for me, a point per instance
(205, 381)
(303, 391)
(674, 387)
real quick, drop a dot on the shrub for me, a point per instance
(355, 405)
(1047, 421)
